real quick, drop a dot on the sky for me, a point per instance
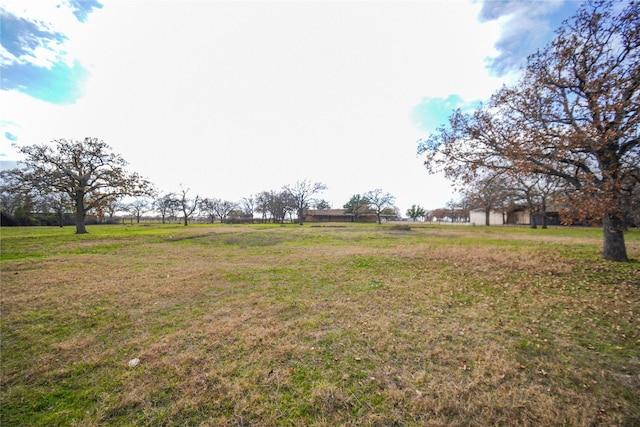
(231, 98)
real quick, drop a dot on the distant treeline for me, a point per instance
(45, 219)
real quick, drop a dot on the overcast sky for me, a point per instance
(233, 98)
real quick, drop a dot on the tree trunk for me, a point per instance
(487, 217)
(614, 247)
(532, 218)
(80, 214)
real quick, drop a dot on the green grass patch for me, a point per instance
(351, 325)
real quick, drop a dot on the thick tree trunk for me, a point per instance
(544, 215)
(61, 216)
(614, 247)
(487, 217)
(80, 214)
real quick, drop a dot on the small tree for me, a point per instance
(248, 206)
(415, 212)
(166, 205)
(137, 208)
(87, 171)
(262, 205)
(322, 204)
(208, 207)
(390, 213)
(536, 192)
(488, 194)
(378, 201)
(357, 205)
(439, 214)
(187, 205)
(108, 208)
(61, 204)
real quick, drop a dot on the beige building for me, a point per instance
(516, 216)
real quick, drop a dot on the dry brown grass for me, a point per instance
(317, 326)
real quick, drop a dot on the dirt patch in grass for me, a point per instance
(321, 326)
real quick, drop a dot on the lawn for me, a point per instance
(268, 325)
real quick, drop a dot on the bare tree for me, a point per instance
(87, 171)
(458, 209)
(262, 205)
(18, 196)
(208, 207)
(489, 193)
(573, 115)
(274, 205)
(536, 192)
(137, 208)
(61, 205)
(166, 205)
(187, 205)
(439, 214)
(248, 206)
(378, 201)
(222, 208)
(301, 193)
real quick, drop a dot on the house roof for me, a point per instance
(332, 212)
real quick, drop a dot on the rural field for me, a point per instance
(268, 325)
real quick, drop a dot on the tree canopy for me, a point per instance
(378, 201)
(87, 171)
(415, 212)
(572, 116)
(301, 194)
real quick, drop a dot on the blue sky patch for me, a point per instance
(82, 8)
(58, 79)
(60, 84)
(10, 136)
(537, 22)
(21, 37)
(431, 113)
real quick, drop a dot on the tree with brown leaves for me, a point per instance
(573, 115)
(87, 171)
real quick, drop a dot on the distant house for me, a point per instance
(513, 216)
(336, 215)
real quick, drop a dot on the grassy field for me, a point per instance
(335, 325)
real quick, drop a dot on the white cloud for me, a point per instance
(524, 27)
(232, 98)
